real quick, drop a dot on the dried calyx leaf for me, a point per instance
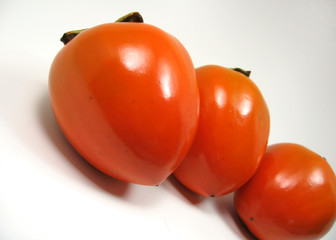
(131, 17)
(246, 73)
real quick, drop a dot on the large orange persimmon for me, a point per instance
(126, 97)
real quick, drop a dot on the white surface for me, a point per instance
(48, 192)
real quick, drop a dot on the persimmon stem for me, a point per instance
(130, 17)
(68, 36)
(246, 73)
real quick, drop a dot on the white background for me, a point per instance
(47, 191)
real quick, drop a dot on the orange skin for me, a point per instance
(232, 135)
(292, 195)
(126, 97)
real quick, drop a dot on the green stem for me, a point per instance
(131, 17)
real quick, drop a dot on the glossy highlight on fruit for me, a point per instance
(291, 196)
(232, 136)
(126, 97)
